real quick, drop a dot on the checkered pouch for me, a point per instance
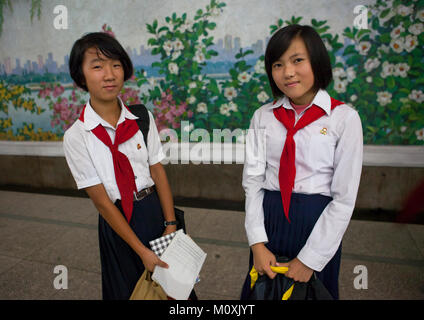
(160, 244)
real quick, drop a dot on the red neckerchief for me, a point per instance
(124, 174)
(287, 171)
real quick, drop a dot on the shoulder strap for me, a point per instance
(143, 120)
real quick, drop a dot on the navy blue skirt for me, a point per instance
(121, 265)
(288, 238)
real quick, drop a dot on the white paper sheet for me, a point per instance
(185, 259)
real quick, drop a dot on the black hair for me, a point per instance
(318, 55)
(104, 43)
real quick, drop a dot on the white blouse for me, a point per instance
(90, 160)
(329, 164)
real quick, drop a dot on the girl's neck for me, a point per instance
(109, 111)
(299, 108)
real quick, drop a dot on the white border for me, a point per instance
(386, 156)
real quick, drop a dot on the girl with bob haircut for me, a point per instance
(124, 178)
(303, 164)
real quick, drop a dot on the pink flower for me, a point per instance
(58, 90)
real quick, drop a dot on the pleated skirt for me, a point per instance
(121, 266)
(288, 238)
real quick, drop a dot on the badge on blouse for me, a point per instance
(324, 131)
(138, 146)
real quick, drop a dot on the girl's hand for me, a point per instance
(169, 229)
(263, 259)
(297, 270)
(151, 260)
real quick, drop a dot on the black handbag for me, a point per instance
(283, 288)
(143, 123)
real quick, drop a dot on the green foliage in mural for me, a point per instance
(4, 4)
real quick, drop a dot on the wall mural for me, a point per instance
(184, 73)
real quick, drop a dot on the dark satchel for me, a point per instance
(283, 288)
(143, 123)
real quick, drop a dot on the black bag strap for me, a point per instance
(143, 120)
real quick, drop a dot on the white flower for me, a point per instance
(397, 31)
(371, 64)
(339, 73)
(178, 45)
(199, 57)
(191, 99)
(416, 95)
(192, 85)
(403, 129)
(401, 69)
(225, 110)
(173, 68)
(397, 45)
(262, 96)
(410, 42)
(384, 98)
(202, 108)
(416, 28)
(353, 97)
(340, 85)
(232, 106)
(175, 55)
(260, 67)
(420, 134)
(230, 93)
(404, 10)
(167, 46)
(369, 79)
(215, 11)
(420, 15)
(363, 47)
(244, 77)
(200, 46)
(384, 48)
(387, 70)
(351, 74)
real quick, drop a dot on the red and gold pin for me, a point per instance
(138, 146)
(324, 131)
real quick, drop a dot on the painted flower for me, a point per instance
(192, 85)
(411, 42)
(191, 99)
(363, 47)
(416, 95)
(420, 134)
(173, 68)
(224, 110)
(244, 77)
(368, 79)
(420, 15)
(178, 45)
(371, 64)
(230, 93)
(339, 72)
(397, 45)
(401, 70)
(232, 106)
(416, 28)
(384, 98)
(260, 67)
(199, 57)
(202, 108)
(397, 31)
(188, 128)
(167, 46)
(387, 70)
(262, 97)
(351, 74)
(340, 85)
(353, 97)
(404, 10)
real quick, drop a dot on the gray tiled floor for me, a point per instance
(39, 232)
